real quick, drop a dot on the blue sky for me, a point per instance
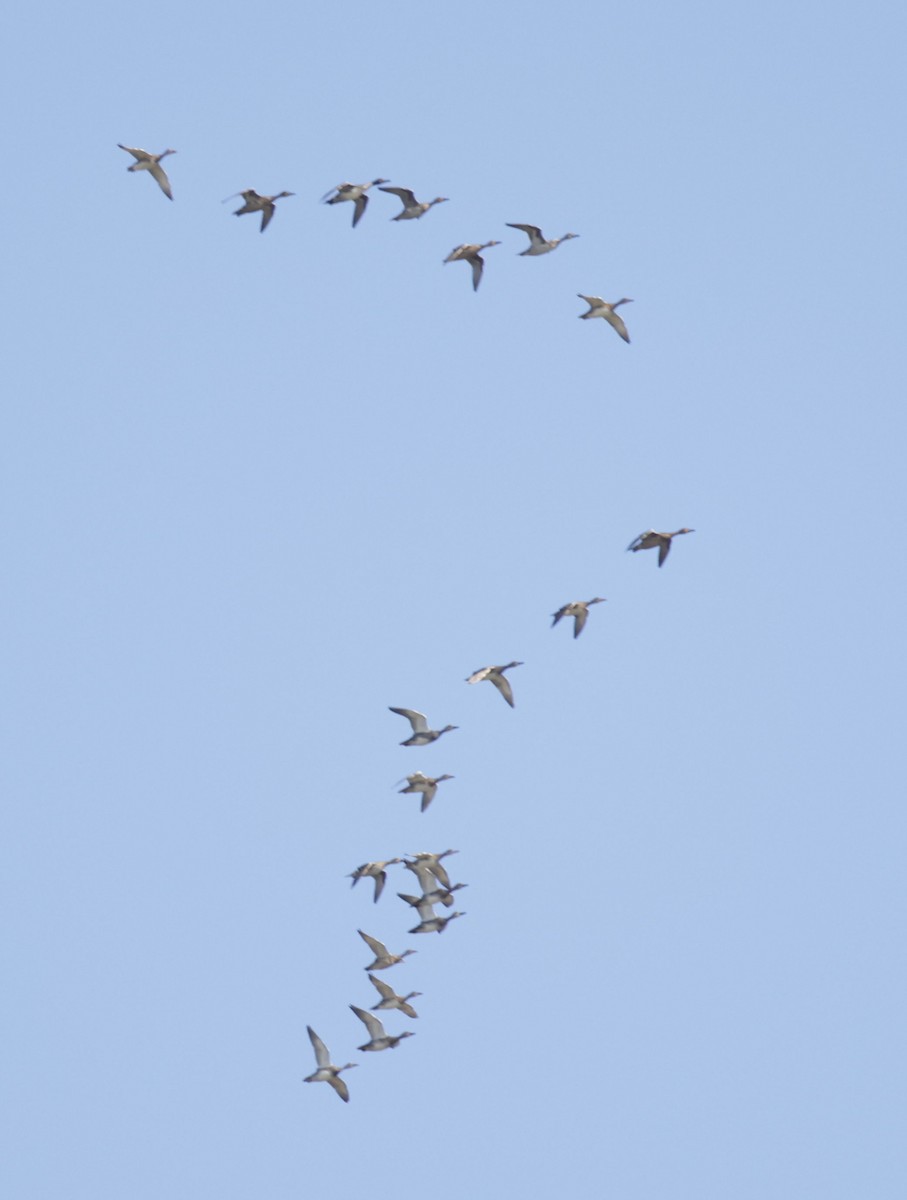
(258, 488)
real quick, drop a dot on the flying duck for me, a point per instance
(412, 209)
(579, 610)
(379, 1039)
(383, 957)
(252, 202)
(430, 922)
(537, 244)
(390, 999)
(601, 308)
(650, 539)
(354, 192)
(152, 164)
(422, 735)
(418, 782)
(373, 870)
(327, 1072)
(470, 253)
(495, 675)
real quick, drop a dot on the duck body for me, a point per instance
(376, 871)
(433, 895)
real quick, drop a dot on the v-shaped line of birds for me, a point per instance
(434, 881)
(413, 210)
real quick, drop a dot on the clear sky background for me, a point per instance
(256, 488)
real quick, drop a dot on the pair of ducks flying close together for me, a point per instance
(650, 540)
(252, 202)
(423, 736)
(326, 1072)
(412, 209)
(472, 252)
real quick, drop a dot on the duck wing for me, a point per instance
(440, 874)
(139, 155)
(616, 322)
(385, 990)
(372, 1024)
(406, 196)
(418, 720)
(378, 948)
(158, 173)
(532, 231)
(502, 683)
(322, 1056)
(424, 875)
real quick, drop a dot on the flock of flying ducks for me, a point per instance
(413, 209)
(434, 882)
(435, 887)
